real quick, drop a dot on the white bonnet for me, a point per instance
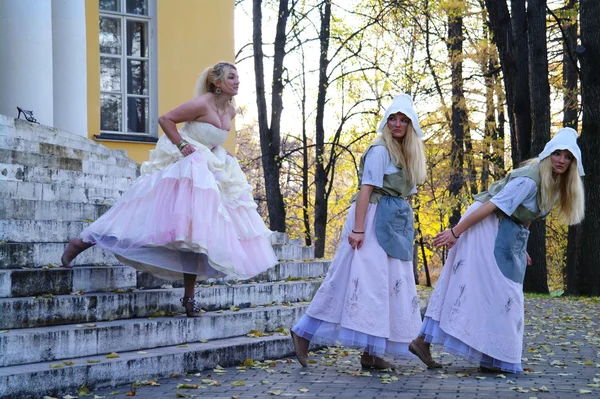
(564, 139)
(402, 103)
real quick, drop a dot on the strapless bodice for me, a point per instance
(204, 133)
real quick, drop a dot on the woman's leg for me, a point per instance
(73, 248)
(188, 300)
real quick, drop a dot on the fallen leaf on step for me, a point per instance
(141, 353)
(112, 355)
(303, 390)
(84, 391)
(182, 346)
(235, 397)
(93, 361)
(130, 393)
(57, 366)
(275, 393)
(238, 383)
(90, 325)
(4, 331)
(187, 386)
(180, 395)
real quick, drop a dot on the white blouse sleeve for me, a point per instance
(375, 165)
(520, 190)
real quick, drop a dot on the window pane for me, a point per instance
(137, 115)
(110, 35)
(110, 112)
(110, 5)
(137, 77)
(110, 74)
(139, 7)
(137, 39)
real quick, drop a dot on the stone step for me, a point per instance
(48, 153)
(33, 381)
(46, 134)
(50, 210)
(20, 173)
(56, 145)
(119, 167)
(32, 282)
(27, 312)
(29, 141)
(18, 255)
(60, 231)
(38, 281)
(53, 343)
(58, 192)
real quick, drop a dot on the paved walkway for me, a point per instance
(561, 357)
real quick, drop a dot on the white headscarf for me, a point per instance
(402, 103)
(564, 139)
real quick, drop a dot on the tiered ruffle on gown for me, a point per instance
(475, 311)
(191, 214)
(368, 299)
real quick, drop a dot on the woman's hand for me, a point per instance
(444, 238)
(529, 261)
(356, 240)
(187, 150)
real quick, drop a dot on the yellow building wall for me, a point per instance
(191, 35)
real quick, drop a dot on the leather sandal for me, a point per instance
(373, 362)
(301, 355)
(415, 350)
(191, 307)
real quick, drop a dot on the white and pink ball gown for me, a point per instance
(191, 214)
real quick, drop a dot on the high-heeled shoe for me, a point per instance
(27, 114)
(301, 348)
(191, 307)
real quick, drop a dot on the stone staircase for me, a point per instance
(57, 325)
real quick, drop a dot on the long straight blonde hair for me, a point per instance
(408, 154)
(567, 191)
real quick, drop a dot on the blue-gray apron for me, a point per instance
(394, 227)
(510, 249)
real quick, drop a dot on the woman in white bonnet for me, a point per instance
(476, 310)
(368, 299)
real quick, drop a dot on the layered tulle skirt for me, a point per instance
(187, 215)
(368, 300)
(476, 312)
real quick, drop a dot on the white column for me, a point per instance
(69, 65)
(26, 58)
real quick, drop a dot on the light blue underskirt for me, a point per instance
(433, 334)
(331, 334)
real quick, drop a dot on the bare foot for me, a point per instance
(73, 248)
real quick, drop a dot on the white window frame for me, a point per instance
(152, 96)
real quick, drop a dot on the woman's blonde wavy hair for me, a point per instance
(408, 154)
(210, 76)
(567, 191)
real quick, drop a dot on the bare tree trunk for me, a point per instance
(570, 119)
(270, 140)
(589, 58)
(510, 35)
(499, 138)
(320, 172)
(536, 276)
(459, 114)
